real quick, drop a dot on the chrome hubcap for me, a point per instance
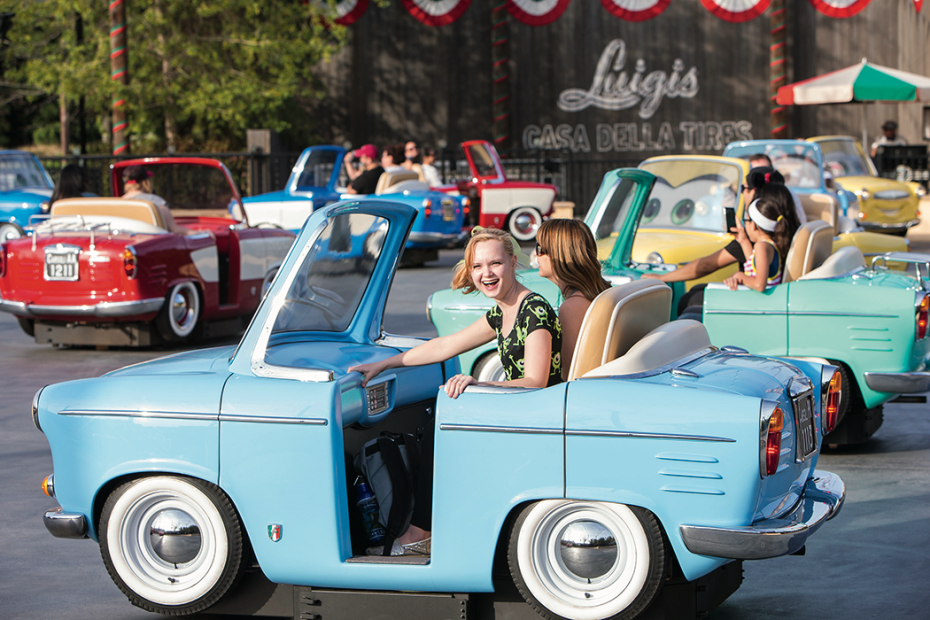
(588, 550)
(181, 309)
(175, 536)
(525, 224)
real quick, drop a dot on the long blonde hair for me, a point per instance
(572, 252)
(461, 279)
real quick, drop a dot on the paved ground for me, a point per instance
(872, 561)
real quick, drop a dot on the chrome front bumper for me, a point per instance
(435, 237)
(898, 382)
(65, 524)
(823, 497)
(103, 310)
(894, 226)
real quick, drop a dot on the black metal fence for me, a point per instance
(256, 173)
(904, 163)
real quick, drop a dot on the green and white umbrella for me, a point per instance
(861, 83)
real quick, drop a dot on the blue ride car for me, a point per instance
(314, 184)
(669, 459)
(25, 190)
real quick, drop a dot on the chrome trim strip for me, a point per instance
(822, 500)
(165, 415)
(259, 419)
(898, 382)
(62, 524)
(500, 429)
(804, 313)
(104, 309)
(580, 433)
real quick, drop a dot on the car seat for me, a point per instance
(845, 261)
(387, 179)
(140, 210)
(811, 246)
(659, 349)
(616, 320)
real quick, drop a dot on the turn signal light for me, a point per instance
(466, 206)
(833, 402)
(922, 317)
(427, 207)
(773, 442)
(48, 485)
(130, 264)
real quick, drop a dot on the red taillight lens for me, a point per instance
(2, 260)
(130, 264)
(922, 317)
(833, 402)
(427, 207)
(773, 442)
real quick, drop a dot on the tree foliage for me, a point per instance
(205, 70)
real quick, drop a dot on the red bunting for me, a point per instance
(635, 10)
(537, 12)
(840, 8)
(736, 11)
(918, 4)
(349, 11)
(436, 12)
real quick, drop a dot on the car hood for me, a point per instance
(26, 194)
(873, 184)
(202, 361)
(677, 246)
(280, 196)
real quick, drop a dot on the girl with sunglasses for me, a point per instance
(567, 255)
(765, 239)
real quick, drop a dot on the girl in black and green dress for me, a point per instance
(529, 342)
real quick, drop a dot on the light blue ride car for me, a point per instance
(677, 460)
(25, 189)
(314, 184)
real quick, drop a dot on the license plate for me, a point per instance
(61, 266)
(448, 210)
(804, 419)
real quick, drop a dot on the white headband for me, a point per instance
(760, 220)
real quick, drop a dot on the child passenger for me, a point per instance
(765, 239)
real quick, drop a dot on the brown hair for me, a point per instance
(461, 279)
(570, 246)
(775, 200)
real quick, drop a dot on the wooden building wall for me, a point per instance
(398, 79)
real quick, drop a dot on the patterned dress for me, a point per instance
(534, 313)
(773, 276)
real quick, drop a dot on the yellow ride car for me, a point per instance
(885, 205)
(695, 201)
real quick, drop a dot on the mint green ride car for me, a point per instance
(869, 320)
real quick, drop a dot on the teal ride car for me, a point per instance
(870, 320)
(221, 476)
(25, 190)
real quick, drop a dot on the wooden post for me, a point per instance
(500, 76)
(119, 72)
(778, 67)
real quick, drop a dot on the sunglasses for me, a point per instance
(539, 250)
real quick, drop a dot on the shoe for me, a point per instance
(418, 548)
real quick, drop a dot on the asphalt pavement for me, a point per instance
(872, 561)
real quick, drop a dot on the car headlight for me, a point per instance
(921, 191)
(655, 258)
(45, 206)
(35, 409)
(863, 194)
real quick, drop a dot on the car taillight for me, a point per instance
(922, 316)
(466, 206)
(771, 441)
(2, 260)
(832, 409)
(427, 207)
(130, 264)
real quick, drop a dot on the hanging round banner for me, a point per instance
(536, 12)
(635, 10)
(736, 11)
(436, 12)
(349, 11)
(840, 8)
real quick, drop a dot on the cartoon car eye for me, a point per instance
(651, 210)
(682, 211)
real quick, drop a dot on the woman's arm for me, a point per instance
(697, 268)
(571, 315)
(431, 352)
(761, 260)
(536, 363)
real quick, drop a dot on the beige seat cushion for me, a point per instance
(811, 246)
(140, 210)
(844, 261)
(659, 348)
(616, 320)
(407, 186)
(387, 179)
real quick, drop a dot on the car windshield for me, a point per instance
(334, 275)
(691, 194)
(798, 161)
(844, 158)
(19, 171)
(318, 169)
(192, 190)
(483, 161)
(612, 216)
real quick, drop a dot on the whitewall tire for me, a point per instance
(489, 368)
(180, 315)
(523, 223)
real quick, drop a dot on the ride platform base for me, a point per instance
(256, 596)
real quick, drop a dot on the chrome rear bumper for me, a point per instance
(887, 226)
(435, 237)
(65, 524)
(898, 382)
(823, 497)
(103, 310)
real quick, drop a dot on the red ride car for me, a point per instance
(116, 271)
(515, 206)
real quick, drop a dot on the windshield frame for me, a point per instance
(307, 190)
(870, 168)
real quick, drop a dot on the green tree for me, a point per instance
(201, 72)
